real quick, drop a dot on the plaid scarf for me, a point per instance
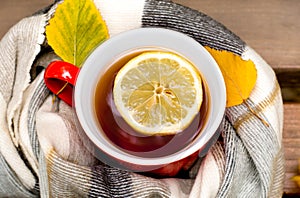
(42, 152)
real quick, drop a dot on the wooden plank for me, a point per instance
(291, 143)
(289, 80)
(291, 126)
(270, 27)
(292, 165)
(11, 11)
(290, 186)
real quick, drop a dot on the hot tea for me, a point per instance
(121, 134)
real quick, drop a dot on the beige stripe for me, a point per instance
(258, 108)
(64, 177)
(219, 156)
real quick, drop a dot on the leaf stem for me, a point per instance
(56, 94)
(254, 113)
(53, 99)
(59, 91)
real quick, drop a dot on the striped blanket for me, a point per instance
(43, 154)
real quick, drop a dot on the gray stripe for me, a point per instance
(241, 176)
(39, 96)
(10, 185)
(261, 144)
(43, 177)
(256, 151)
(230, 152)
(197, 25)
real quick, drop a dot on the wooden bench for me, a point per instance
(270, 27)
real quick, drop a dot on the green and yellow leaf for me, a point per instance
(75, 30)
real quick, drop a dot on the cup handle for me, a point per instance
(60, 78)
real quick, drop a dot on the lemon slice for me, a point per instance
(158, 93)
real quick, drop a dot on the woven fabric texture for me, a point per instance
(43, 153)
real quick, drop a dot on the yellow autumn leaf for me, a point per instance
(75, 30)
(239, 75)
(297, 177)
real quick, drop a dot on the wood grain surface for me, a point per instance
(11, 11)
(270, 27)
(291, 142)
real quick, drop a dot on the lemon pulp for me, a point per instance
(158, 93)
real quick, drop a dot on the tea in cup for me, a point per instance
(142, 120)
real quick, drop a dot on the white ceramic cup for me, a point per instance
(99, 61)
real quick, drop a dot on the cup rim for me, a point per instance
(148, 37)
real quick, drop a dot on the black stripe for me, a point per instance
(204, 29)
(110, 182)
(39, 96)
